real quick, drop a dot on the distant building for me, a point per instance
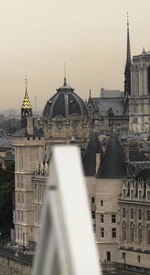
(139, 117)
(65, 120)
(111, 93)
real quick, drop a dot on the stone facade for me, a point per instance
(134, 220)
(33, 145)
(139, 109)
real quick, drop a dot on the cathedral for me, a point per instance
(112, 132)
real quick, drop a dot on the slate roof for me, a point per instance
(89, 158)
(112, 165)
(65, 103)
(104, 105)
(144, 173)
(6, 142)
(23, 132)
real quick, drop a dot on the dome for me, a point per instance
(65, 103)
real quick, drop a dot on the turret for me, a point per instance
(26, 108)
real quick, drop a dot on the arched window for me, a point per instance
(148, 78)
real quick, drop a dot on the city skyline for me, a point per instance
(89, 36)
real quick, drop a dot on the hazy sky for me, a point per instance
(38, 36)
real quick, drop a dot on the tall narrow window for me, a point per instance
(102, 232)
(140, 235)
(140, 214)
(108, 256)
(131, 213)
(113, 232)
(124, 233)
(101, 202)
(123, 212)
(102, 218)
(93, 214)
(132, 234)
(92, 200)
(113, 218)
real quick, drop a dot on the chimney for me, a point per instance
(30, 126)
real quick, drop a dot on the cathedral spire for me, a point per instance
(65, 82)
(127, 81)
(128, 42)
(26, 86)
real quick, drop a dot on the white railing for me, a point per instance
(67, 245)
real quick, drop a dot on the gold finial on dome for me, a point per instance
(26, 104)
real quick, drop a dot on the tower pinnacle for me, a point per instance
(65, 82)
(127, 81)
(26, 108)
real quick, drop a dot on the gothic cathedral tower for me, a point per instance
(139, 101)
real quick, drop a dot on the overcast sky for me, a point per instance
(38, 36)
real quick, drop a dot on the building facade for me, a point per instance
(139, 114)
(65, 120)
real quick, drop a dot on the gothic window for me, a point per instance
(22, 216)
(132, 234)
(101, 202)
(131, 213)
(124, 233)
(140, 214)
(123, 212)
(148, 76)
(140, 235)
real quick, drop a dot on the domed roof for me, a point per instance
(65, 103)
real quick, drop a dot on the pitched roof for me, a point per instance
(104, 105)
(112, 165)
(23, 132)
(89, 158)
